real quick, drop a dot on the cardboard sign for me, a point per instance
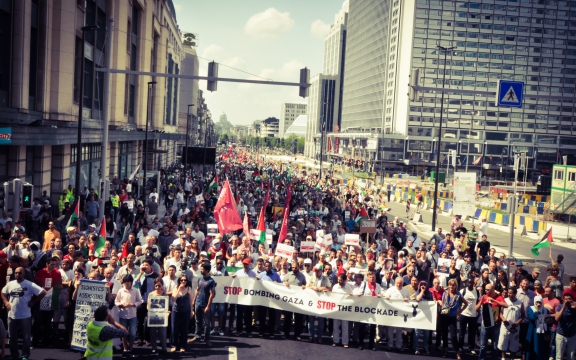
(285, 251)
(199, 199)
(307, 246)
(368, 226)
(269, 239)
(352, 239)
(212, 229)
(254, 234)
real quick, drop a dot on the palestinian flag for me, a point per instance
(262, 226)
(213, 185)
(101, 239)
(74, 215)
(362, 215)
(546, 242)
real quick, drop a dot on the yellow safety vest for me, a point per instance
(95, 348)
(115, 201)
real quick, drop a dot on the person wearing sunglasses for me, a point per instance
(218, 309)
(182, 313)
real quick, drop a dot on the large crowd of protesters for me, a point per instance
(485, 302)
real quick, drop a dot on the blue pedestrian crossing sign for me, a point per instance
(510, 93)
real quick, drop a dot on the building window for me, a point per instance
(6, 46)
(89, 163)
(558, 174)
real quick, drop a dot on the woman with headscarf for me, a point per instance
(537, 330)
(37, 257)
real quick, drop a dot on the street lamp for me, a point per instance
(80, 109)
(322, 129)
(187, 137)
(149, 115)
(436, 178)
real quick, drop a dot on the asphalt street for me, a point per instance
(498, 238)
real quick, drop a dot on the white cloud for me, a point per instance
(268, 24)
(233, 62)
(212, 51)
(319, 29)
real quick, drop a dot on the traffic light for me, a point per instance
(212, 72)
(304, 82)
(27, 190)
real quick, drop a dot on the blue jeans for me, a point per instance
(486, 333)
(202, 322)
(421, 333)
(320, 331)
(130, 325)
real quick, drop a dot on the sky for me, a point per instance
(273, 39)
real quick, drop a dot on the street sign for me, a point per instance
(408, 205)
(510, 93)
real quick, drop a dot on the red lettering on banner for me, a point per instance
(327, 305)
(233, 290)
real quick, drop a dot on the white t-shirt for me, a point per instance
(19, 295)
(347, 289)
(471, 296)
(396, 294)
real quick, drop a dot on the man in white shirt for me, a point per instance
(342, 287)
(198, 235)
(154, 193)
(396, 293)
(183, 210)
(415, 240)
(308, 269)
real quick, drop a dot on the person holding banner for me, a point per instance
(160, 331)
(452, 306)
(244, 311)
(268, 275)
(371, 288)
(396, 293)
(295, 278)
(341, 327)
(317, 282)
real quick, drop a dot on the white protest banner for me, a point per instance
(158, 311)
(254, 234)
(319, 234)
(285, 251)
(307, 246)
(443, 267)
(352, 239)
(366, 309)
(212, 229)
(269, 239)
(91, 294)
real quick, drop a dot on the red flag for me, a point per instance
(225, 211)
(246, 225)
(284, 228)
(340, 270)
(124, 251)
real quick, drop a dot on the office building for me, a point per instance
(40, 75)
(288, 113)
(532, 41)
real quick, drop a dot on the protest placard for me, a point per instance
(199, 199)
(158, 311)
(352, 239)
(254, 234)
(91, 294)
(307, 246)
(285, 251)
(328, 240)
(269, 239)
(212, 229)
(443, 267)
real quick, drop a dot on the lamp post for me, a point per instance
(200, 115)
(80, 108)
(322, 129)
(205, 134)
(436, 178)
(150, 83)
(187, 137)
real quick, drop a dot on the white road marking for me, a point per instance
(232, 353)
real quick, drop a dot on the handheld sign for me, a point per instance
(307, 246)
(319, 234)
(254, 234)
(328, 240)
(212, 229)
(443, 267)
(200, 199)
(285, 251)
(352, 239)
(269, 239)
(368, 226)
